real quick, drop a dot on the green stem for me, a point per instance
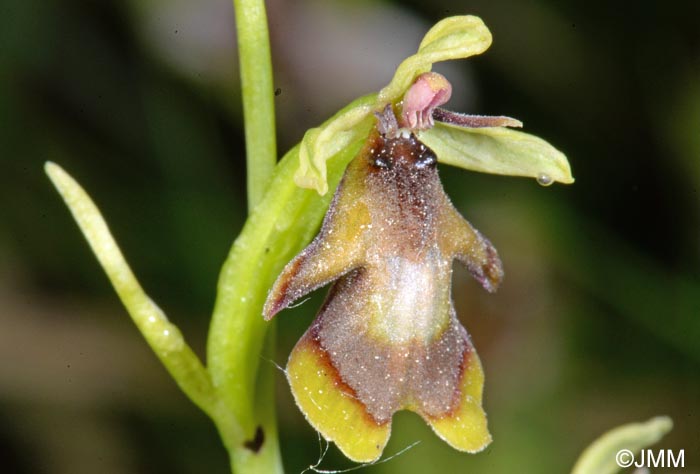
(258, 450)
(277, 229)
(234, 390)
(268, 459)
(258, 96)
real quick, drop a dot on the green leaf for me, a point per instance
(165, 338)
(498, 150)
(600, 457)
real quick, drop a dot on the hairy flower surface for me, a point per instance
(387, 337)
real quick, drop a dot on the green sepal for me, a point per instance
(498, 150)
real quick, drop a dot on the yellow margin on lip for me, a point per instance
(466, 428)
(331, 408)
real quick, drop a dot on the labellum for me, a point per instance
(387, 337)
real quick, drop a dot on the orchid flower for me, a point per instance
(387, 337)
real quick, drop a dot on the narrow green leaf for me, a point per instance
(604, 455)
(164, 337)
(498, 150)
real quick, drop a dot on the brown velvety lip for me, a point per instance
(457, 397)
(324, 359)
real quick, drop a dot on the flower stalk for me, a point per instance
(258, 96)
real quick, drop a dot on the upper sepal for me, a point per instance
(455, 37)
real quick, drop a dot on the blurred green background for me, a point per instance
(598, 320)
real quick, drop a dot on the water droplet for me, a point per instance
(544, 179)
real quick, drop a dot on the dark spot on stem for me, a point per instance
(256, 443)
(278, 91)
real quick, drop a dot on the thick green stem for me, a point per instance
(234, 390)
(258, 96)
(279, 227)
(258, 450)
(267, 458)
